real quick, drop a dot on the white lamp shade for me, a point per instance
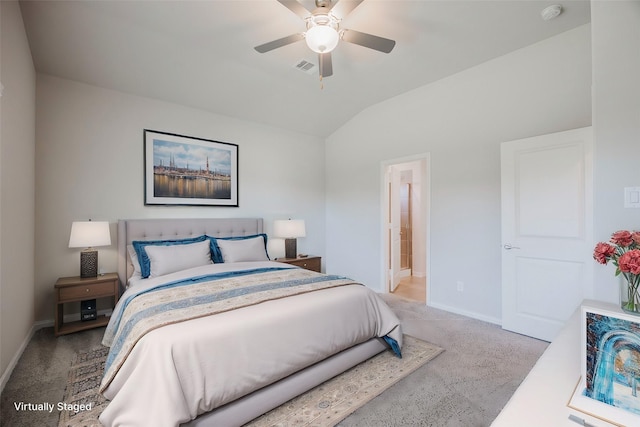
(322, 38)
(87, 234)
(289, 228)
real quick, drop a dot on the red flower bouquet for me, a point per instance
(623, 250)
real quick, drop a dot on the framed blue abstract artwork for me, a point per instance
(609, 388)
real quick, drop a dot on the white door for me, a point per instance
(393, 226)
(546, 230)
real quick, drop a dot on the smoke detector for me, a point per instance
(551, 12)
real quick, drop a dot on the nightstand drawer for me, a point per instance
(75, 293)
(309, 264)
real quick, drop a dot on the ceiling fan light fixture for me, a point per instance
(322, 38)
(322, 32)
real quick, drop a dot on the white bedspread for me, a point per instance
(177, 372)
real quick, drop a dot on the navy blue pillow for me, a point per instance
(143, 258)
(216, 253)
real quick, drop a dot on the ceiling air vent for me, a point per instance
(305, 66)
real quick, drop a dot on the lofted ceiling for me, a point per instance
(201, 53)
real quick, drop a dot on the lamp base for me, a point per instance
(290, 248)
(89, 263)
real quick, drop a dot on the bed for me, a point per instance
(221, 342)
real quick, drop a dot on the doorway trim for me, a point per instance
(425, 213)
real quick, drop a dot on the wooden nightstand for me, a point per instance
(72, 289)
(310, 262)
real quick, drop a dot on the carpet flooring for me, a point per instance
(465, 386)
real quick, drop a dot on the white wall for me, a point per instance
(616, 123)
(89, 159)
(461, 120)
(17, 188)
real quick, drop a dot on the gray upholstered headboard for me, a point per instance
(179, 228)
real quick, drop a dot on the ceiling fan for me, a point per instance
(324, 32)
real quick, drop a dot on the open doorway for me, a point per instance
(406, 202)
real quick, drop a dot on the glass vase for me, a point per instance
(629, 298)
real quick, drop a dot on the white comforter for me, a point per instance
(179, 371)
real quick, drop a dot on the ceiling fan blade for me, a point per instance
(368, 40)
(279, 43)
(295, 7)
(343, 7)
(325, 65)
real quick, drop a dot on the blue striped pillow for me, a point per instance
(143, 258)
(216, 253)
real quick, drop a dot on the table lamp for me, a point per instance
(88, 235)
(289, 229)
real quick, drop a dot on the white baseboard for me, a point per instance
(16, 357)
(43, 324)
(471, 314)
(36, 327)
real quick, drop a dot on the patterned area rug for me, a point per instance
(331, 402)
(83, 383)
(323, 406)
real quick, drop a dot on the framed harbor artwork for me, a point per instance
(183, 170)
(609, 387)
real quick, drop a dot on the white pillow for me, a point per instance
(172, 258)
(243, 249)
(133, 258)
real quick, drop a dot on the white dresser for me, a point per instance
(541, 400)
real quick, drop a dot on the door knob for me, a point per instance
(509, 247)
